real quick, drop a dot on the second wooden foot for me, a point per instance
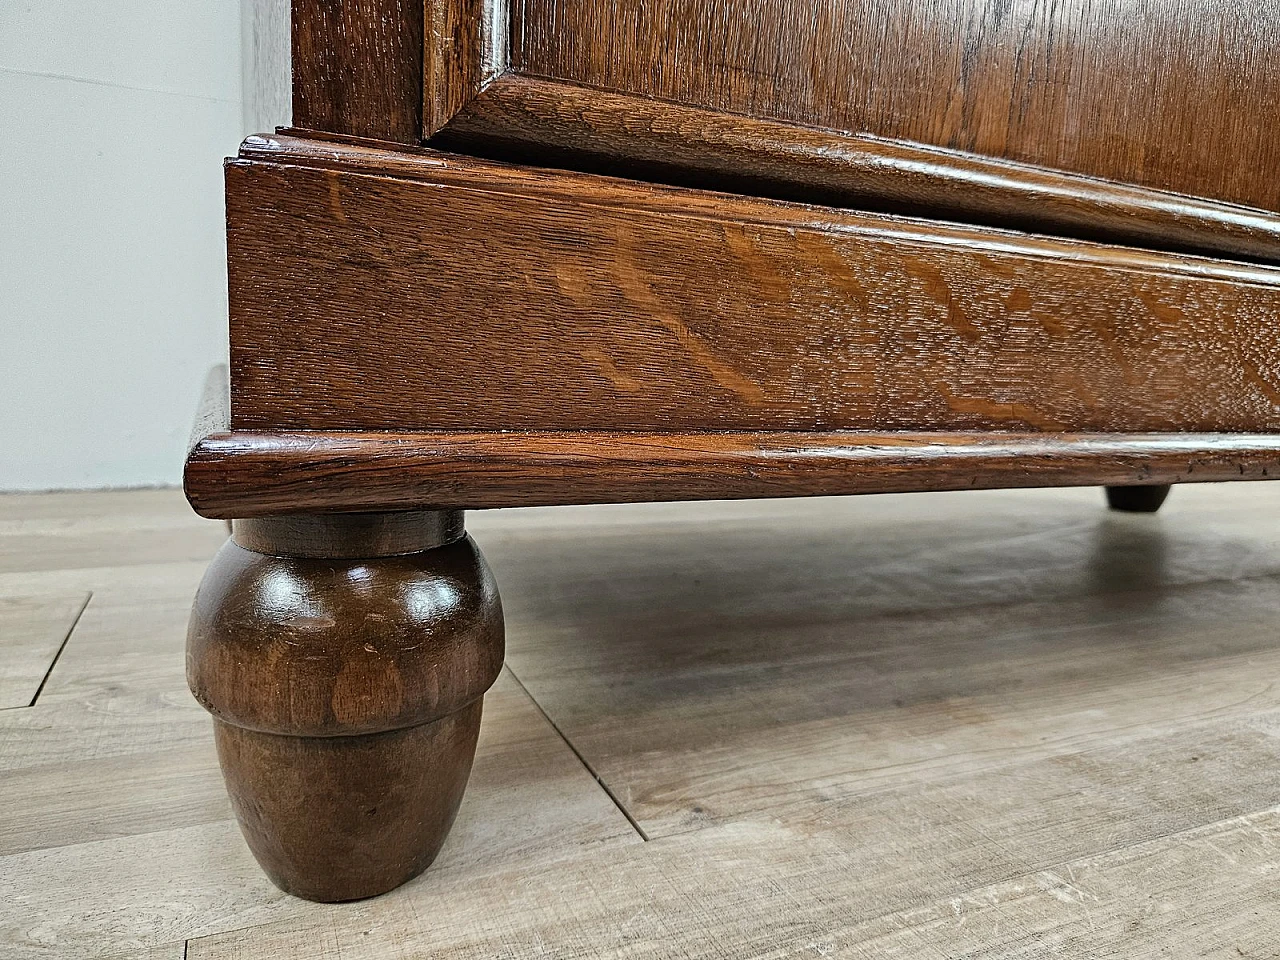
(1146, 499)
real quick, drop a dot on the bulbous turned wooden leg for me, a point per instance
(1137, 499)
(344, 659)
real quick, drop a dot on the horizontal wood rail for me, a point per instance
(575, 127)
(236, 474)
(390, 290)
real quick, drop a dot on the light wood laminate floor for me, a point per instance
(981, 725)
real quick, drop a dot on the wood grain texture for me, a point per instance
(98, 532)
(1175, 94)
(345, 675)
(897, 642)
(509, 299)
(358, 67)
(565, 125)
(83, 799)
(465, 49)
(452, 59)
(245, 474)
(852, 890)
(148, 851)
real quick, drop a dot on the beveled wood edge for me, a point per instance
(465, 48)
(471, 100)
(244, 474)
(213, 415)
(559, 124)
(371, 158)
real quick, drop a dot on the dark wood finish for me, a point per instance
(509, 299)
(344, 660)
(1178, 95)
(358, 67)
(245, 474)
(462, 54)
(558, 124)
(841, 108)
(1144, 499)
(345, 818)
(352, 536)
(414, 333)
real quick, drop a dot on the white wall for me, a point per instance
(114, 119)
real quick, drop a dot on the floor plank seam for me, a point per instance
(581, 759)
(62, 646)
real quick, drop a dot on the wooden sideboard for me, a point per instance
(575, 251)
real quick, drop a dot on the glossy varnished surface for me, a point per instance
(970, 110)
(248, 474)
(346, 636)
(358, 67)
(560, 124)
(511, 299)
(1175, 94)
(344, 662)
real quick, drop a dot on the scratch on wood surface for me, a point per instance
(939, 290)
(1263, 385)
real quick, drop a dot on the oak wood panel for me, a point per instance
(242, 474)
(453, 67)
(1173, 94)
(374, 290)
(565, 125)
(358, 67)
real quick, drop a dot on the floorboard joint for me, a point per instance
(581, 759)
(62, 646)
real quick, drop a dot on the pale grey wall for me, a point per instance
(114, 119)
